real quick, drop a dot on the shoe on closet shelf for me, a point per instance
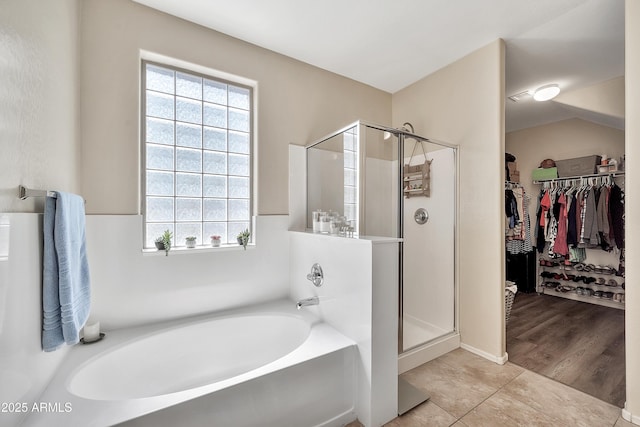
(579, 266)
(588, 280)
(601, 281)
(587, 292)
(607, 295)
(597, 294)
(608, 270)
(612, 283)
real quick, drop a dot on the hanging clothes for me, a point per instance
(560, 246)
(616, 210)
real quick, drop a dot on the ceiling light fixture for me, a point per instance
(546, 92)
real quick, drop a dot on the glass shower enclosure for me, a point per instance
(390, 182)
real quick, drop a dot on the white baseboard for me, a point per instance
(500, 360)
(428, 352)
(628, 416)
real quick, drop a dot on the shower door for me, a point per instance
(427, 289)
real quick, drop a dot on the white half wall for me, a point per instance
(359, 298)
(130, 287)
(25, 369)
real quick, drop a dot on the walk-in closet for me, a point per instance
(564, 253)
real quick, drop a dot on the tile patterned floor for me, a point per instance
(468, 391)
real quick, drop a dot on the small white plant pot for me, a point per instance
(190, 243)
(215, 242)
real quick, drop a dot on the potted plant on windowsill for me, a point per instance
(215, 240)
(243, 238)
(164, 242)
(159, 244)
(190, 241)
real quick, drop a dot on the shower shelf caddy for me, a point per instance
(417, 179)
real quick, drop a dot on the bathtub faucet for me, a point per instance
(308, 301)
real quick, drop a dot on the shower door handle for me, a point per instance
(421, 216)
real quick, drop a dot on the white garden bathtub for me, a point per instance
(263, 365)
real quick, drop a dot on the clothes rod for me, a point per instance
(25, 193)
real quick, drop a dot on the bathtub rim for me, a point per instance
(322, 339)
(176, 327)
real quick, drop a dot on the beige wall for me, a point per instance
(38, 100)
(560, 140)
(297, 103)
(632, 206)
(463, 104)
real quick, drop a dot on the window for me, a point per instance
(197, 137)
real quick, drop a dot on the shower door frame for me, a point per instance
(402, 135)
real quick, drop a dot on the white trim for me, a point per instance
(427, 352)
(500, 360)
(628, 416)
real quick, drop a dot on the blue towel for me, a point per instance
(66, 293)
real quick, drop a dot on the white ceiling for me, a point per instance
(392, 44)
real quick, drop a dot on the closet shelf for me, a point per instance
(583, 298)
(596, 175)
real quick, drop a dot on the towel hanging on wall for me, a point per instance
(66, 293)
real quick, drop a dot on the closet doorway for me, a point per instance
(567, 318)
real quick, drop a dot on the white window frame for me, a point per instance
(218, 77)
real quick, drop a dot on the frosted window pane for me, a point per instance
(349, 160)
(238, 120)
(239, 142)
(188, 229)
(238, 164)
(215, 162)
(188, 160)
(215, 229)
(160, 105)
(155, 230)
(188, 85)
(188, 135)
(159, 131)
(239, 97)
(350, 211)
(238, 187)
(159, 183)
(188, 184)
(215, 210)
(159, 209)
(159, 157)
(234, 229)
(159, 79)
(350, 177)
(215, 115)
(349, 142)
(188, 209)
(215, 139)
(238, 210)
(188, 110)
(349, 194)
(215, 186)
(215, 92)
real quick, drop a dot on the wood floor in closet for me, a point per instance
(576, 343)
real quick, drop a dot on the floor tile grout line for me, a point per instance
(491, 395)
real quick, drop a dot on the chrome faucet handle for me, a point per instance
(316, 276)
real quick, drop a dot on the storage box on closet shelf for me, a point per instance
(509, 295)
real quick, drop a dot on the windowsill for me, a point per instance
(197, 250)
